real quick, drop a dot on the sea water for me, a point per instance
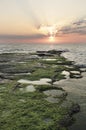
(76, 52)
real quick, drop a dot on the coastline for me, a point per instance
(38, 71)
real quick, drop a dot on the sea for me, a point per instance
(76, 88)
(75, 52)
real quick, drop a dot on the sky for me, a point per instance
(43, 21)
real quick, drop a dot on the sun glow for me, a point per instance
(51, 39)
(50, 31)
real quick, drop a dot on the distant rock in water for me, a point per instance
(50, 52)
(56, 51)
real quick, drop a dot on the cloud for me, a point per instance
(22, 38)
(29, 37)
(48, 30)
(77, 27)
(80, 22)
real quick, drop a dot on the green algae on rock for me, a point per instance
(26, 106)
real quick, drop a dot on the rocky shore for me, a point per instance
(30, 98)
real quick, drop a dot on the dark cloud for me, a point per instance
(29, 37)
(80, 22)
(78, 27)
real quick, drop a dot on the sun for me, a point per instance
(50, 31)
(51, 39)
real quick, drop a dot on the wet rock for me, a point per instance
(41, 54)
(41, 51)
(6, 76)
(47, 54)
(2, 76)
(66, 73)
(44, 54)
(81, 66)
(55, 51)
(5, 65)
(69, 67)
(30, 88)
(50, 52)
(83, 69)
(75, 76)
(43, 81)
(75, 72)
(34, 57)
(58, 82)
(20, 74)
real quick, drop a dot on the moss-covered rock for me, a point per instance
(21, 110)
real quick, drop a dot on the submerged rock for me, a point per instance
(74, 109)
(52, 99)
(54, 93)
(66, 121)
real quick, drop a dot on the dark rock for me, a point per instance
(81, 66)
(53, 78)
(41, 52)
(75, 76)
(56, 51)
(16, 71)
(75, 108)
(66, 121)
(50, 52)
(16, 86)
